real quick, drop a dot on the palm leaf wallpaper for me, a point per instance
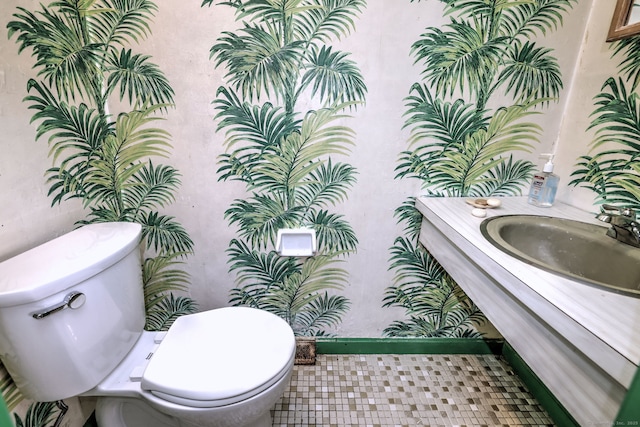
(102, 158)
(42, 414)
(611, 169)
(459, 146)
(288, 157)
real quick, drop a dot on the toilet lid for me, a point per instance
(220, 357)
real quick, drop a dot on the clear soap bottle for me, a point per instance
(544, 185)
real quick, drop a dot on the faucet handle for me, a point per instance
(628, 212)
(606, 208)
(610, 209)
(624, 226)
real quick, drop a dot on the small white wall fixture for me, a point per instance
(296, 242)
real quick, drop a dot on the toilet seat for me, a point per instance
(220, 357)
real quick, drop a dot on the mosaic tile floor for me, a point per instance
(407, 390)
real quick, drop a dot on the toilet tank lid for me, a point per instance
(65, 261)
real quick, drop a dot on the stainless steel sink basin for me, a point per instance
(572, 249)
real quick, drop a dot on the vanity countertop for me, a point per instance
(579, 311)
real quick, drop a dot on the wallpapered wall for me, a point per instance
(345, 124)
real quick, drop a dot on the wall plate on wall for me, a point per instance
(296, 242)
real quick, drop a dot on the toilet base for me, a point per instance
(125, 412)
(129, 411)
(150, 411)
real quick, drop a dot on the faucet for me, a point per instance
(624, 226)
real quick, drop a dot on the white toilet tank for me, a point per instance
(94, 273)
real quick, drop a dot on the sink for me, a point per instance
(573, 249)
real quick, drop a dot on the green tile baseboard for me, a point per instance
(629, 414)
(537, 388)
(408, 346)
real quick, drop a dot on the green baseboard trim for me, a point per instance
(407, 346)
(537, 388)
(629, 414)
(5, 418)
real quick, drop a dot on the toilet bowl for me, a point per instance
(223, 367)
(78, 302)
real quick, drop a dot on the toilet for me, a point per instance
(71, 324)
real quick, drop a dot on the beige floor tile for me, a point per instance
(407, 390)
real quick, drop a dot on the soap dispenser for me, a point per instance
(544, 185)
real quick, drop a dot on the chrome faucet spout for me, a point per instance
(624, 226)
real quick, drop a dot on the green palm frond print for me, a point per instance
(459, 146)
(611, 169)
(42, 414)
(287, 157)
(83, 64)
(10, 393)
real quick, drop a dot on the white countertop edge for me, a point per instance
(611, 317)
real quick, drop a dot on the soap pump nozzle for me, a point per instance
(548, 167)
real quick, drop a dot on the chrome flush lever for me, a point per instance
(73, 301)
